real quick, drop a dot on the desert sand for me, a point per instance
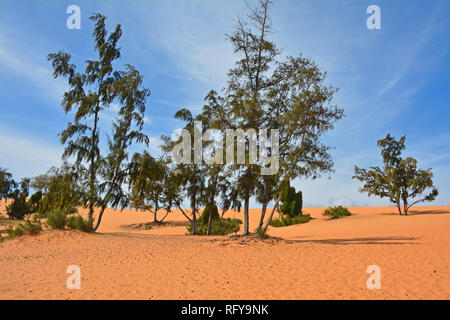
(323, 259)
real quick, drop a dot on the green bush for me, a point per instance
(79, 223)
(291, 203)
(18, 209)
(286, 221)
(337, 212)
(204, 218)
(56, 219)
(219, 227)
(29, 227)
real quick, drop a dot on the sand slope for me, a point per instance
(324, 259)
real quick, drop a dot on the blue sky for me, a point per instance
(391, 80)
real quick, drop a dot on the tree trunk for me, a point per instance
(399, 208)
(194, 222)
(246, 216)
(99, 219)
(263, 214)
(208, 232)
(273, 211)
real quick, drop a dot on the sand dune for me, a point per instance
(324, 259)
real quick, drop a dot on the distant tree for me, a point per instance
(7, 184)
(148, 177)
(59, 188)
(399, 180)
(90, 93)
(19, 206)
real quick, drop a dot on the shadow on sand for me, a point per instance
(368, 241)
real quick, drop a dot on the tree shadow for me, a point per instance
(364, 241)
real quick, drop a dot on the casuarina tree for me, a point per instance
(399, 180)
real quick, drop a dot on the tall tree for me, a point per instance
(288, 96)
(399, 180)
(90, 93)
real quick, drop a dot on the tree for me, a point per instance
(288, 96)
(90, 93)
(7, 184)
(148, 178)
(59, 188)
(399, 180)
(19, 206)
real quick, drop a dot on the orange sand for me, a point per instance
(324, 259)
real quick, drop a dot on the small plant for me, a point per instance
(29, 227)
(79, 223)
(148, 227)
(56, 219)
(261, 233)
(286, 221)
(337, 212)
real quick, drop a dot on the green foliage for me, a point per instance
(56, 219)
(204, 218)
(219, 227)
(337, 212)
(292, 203)
(19, 207)
(400, 180)
(7, 184)
(148, 227)
(27, 228)
(59, 189)
(286, 221)
(77, 222)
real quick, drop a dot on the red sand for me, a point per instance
(323, 259)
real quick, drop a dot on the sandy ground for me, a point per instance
(324, 259)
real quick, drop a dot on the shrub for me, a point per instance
(219, 227)
(286, 221)
(18, 209)
(292, 202)
(148, 227)
(261, 233)
(56, 219)
(79, 223)
(204, 218)
(337, 212)
(29, 227)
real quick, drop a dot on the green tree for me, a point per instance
(292, 202)
(148, 178)
(399, 180)
(7, 184)
(90, 93)
(59, 188)
(19, 206)
(290, 96)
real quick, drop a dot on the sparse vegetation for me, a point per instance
(77, 222)
(56, 219)
(27, 228)
(337, 212)
(286, 221)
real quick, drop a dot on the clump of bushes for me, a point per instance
(219, 226)
(337, 212)
(29, 227)
(79, 223)
(286, 221)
